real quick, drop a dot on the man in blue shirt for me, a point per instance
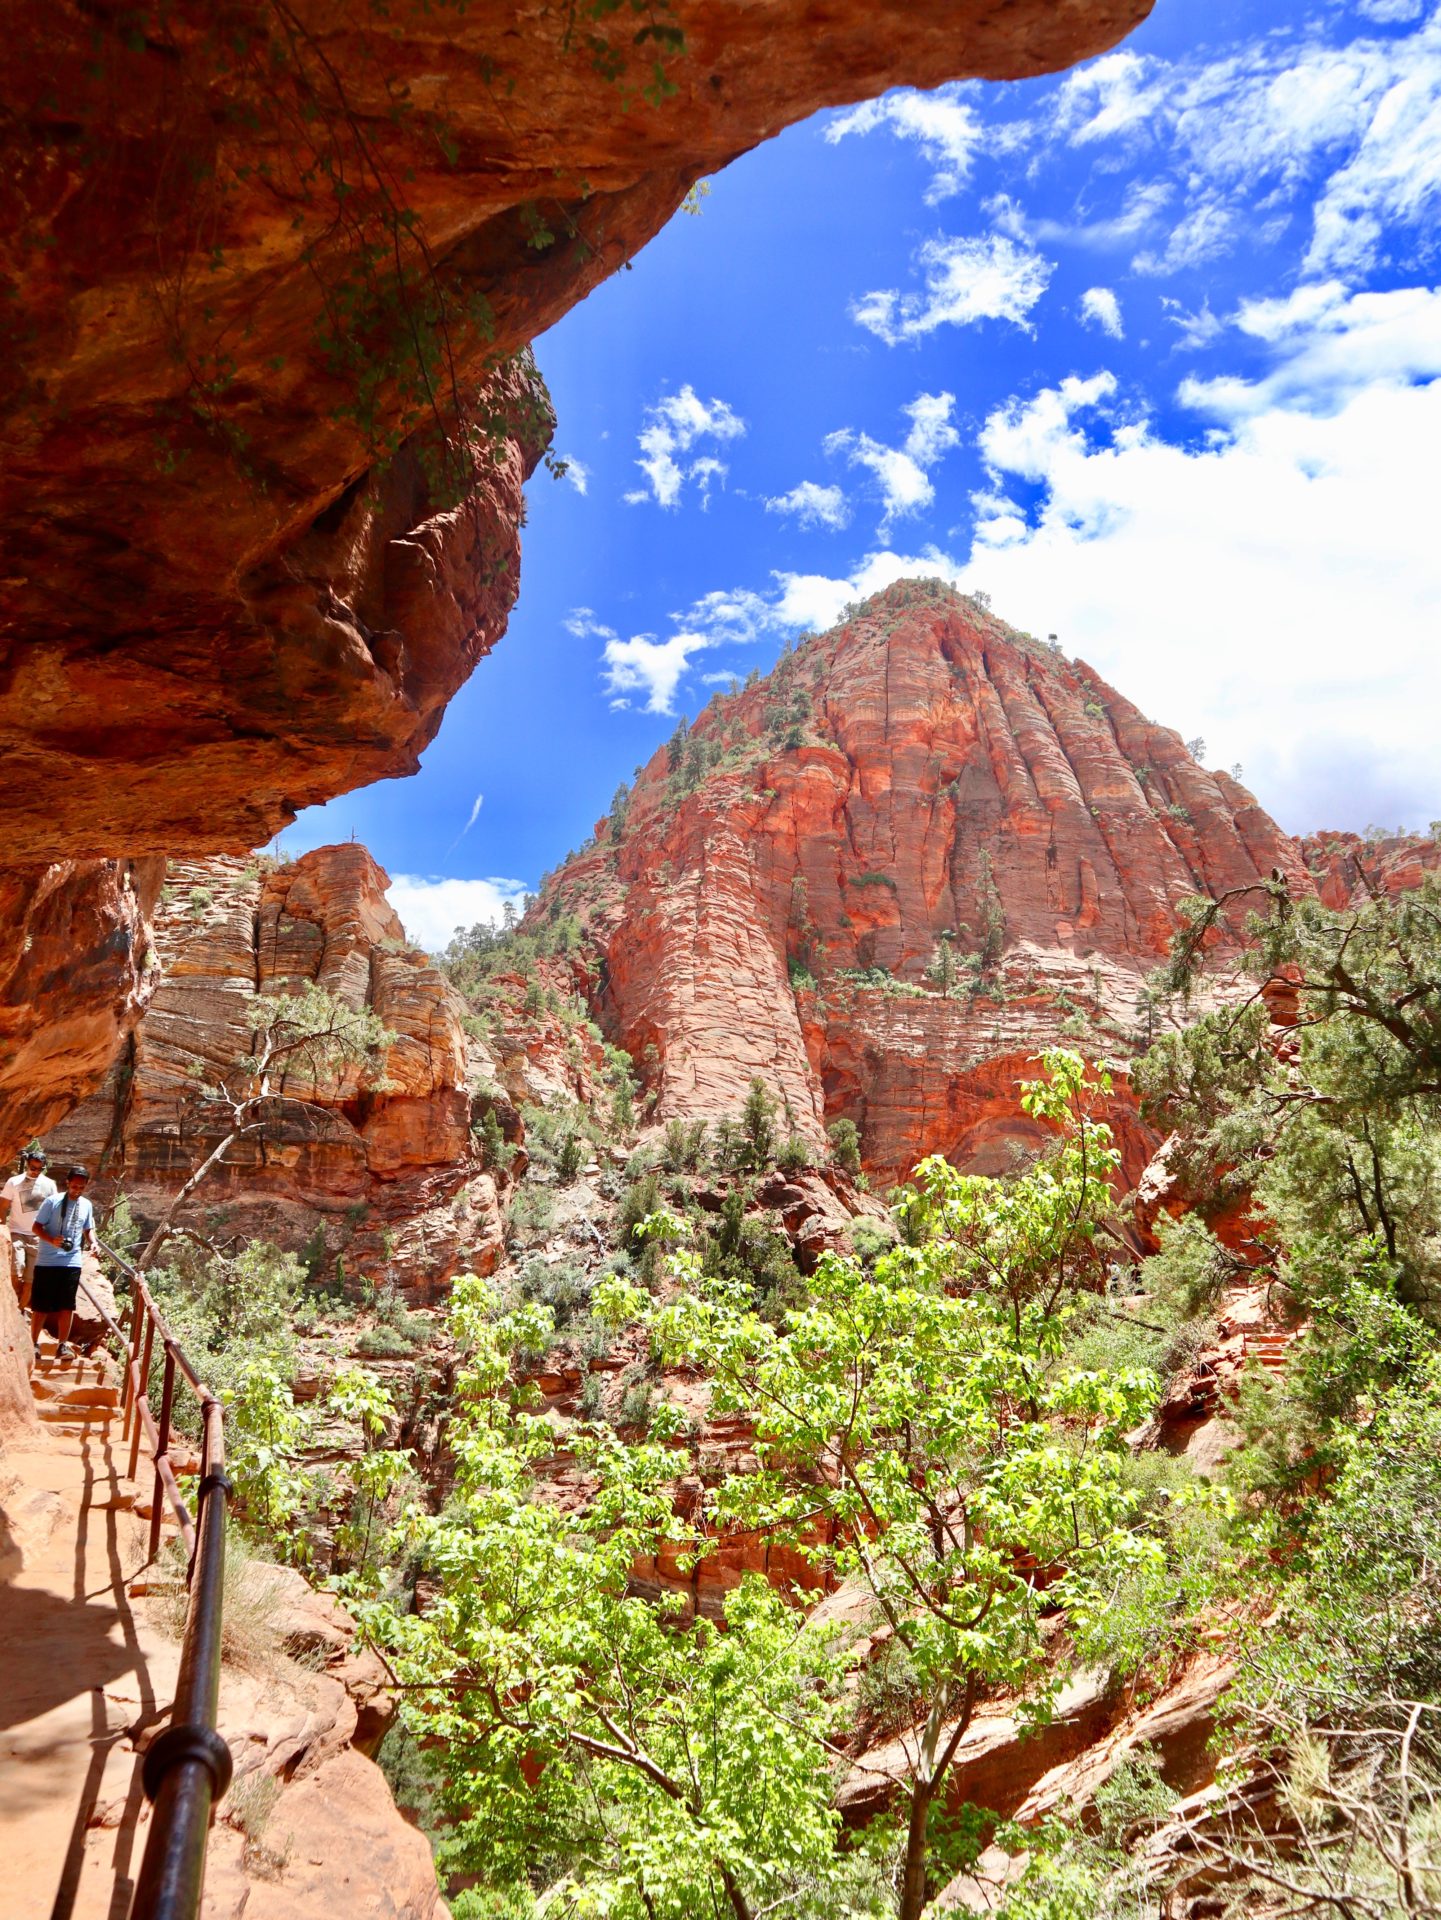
(64, 1228)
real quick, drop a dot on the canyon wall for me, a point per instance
(250, 273)
(381, 1157)
(1351, 866)
(266, 284)
(77, 969)
(883, 877)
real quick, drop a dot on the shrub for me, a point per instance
(532, 1215)
(794, 1156)
(870, 1239)
(635, 1403)
(758, 1124)
(845, 1141)
(560, 1285)
(496, 1151)
(637, 1203)
(592, 1397)
(1191, 1267)
(890, 1692)
(574, 1151)
(384, 1343)
(684, 1147)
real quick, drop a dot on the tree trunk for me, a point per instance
(913, 1883)
(153, 1244)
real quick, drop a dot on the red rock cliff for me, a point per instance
(1349, 866)
(239, 265)
(882, 878)
(76, 970)
(387, 1166)
(252, 263)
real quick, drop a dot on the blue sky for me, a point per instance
(1151, 352)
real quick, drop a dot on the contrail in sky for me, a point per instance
(474, 814)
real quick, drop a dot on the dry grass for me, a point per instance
(248, 1808)
(251, 1633)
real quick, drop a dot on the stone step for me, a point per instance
(58, 1392)
(52, 1415)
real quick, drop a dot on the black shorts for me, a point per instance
(53, 1289)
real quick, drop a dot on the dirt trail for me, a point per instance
(85, 1678)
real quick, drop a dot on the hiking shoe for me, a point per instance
(65, 1351)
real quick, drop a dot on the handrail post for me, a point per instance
(167, 1395)
(142, 1386)
(132, 1357)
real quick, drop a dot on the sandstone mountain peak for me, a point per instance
(882, 876)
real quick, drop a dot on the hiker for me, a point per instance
(21, 1198)
(64, 1227)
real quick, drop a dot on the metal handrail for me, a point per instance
(187, 1769)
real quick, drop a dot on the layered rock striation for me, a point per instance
(77, 968)
(382, 1158)
(1346, 867)
(883, 877)
(266, 287)
(250, 274)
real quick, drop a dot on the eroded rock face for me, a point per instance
(1347, 867)
(221, 602)
(247, 276)
(76, 971)
(17, 1404)
(883, 878)
(388, 1167)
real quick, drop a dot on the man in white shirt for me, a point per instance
(21, 1199)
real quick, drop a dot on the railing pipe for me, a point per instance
(162, 1457)
(187, 1769)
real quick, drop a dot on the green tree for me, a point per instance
(920, 1409)
(1334, 1138)
(1339, 1700)
(845, 1141)
(758, 1125)
(660, 1767)
(300, 1044)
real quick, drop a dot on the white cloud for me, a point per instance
(577, 472)
(966, 280)
(1273, 587)
(943, 124)
(1394, 177)
(1196, 329)
(932, 433)
(671, 428)
(1100, 308)
(815, 601)
(1248, 132)
(641, 670)
(645, 665)
(813, 505)
(901, 472)
(433, 906)
(1206, 232)
(704, 472)
(1142, 205)
(470, 821)
(1330, 346)
(1117, 95)
(1236, 139)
